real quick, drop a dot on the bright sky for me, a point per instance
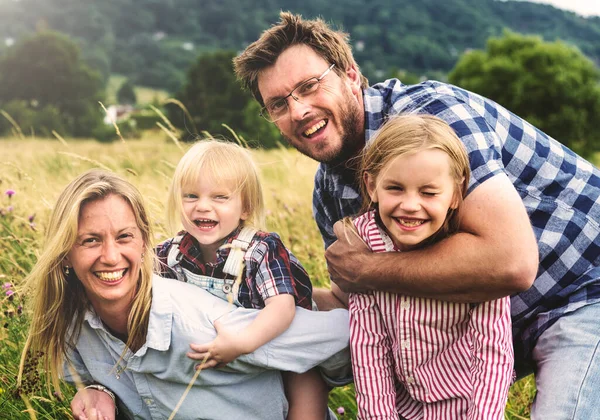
(582, 7)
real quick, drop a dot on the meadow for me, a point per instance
(34, 171)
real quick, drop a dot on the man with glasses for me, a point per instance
(530, 225)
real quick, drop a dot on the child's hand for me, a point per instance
(225, 348)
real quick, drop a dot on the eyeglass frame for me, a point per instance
(265, 113)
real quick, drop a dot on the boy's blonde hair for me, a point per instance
(58, 301)
(404, 134)
(223, 163)
(331, 45)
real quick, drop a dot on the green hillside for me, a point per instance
(152, 42)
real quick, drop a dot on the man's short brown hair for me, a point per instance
(330, 44)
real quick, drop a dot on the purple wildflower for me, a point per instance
(31, 218)
(341, 411)
(7, 286)
(9, 209)
(9, 293)
(10, 193)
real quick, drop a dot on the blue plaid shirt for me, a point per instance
(560, 190)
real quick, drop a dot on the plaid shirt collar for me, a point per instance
(190, 248)
(339, 177)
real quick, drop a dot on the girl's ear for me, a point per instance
(457, 194)
(455, 202)
(244, 216)
(369, 181)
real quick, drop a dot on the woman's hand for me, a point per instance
(92, 404)
(227, 347)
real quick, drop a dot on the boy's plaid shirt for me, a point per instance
(271, 269)
(559, 189)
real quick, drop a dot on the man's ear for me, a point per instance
(370, 184)
(353, 75)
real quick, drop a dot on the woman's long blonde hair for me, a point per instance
(58, 301)
(410, 133)
(223, 163)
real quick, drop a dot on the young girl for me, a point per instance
(418, 358)
(216, 195)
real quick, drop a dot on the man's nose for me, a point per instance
(297, 109)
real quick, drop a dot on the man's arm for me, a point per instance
(494, 255)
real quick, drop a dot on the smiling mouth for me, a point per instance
(205, 223)
(110, 276)
(315, 128)
(410, 222)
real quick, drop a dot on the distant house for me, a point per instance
(116, 113)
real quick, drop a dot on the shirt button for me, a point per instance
(149, 401)
(405, 304)
(405, 344)
(410, 380)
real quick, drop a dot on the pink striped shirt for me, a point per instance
(417, 358)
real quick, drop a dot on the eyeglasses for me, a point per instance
(278, 108)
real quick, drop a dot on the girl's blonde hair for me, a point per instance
(58, 301)
(404, 134)
(222, 163)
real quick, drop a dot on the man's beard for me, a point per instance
(352, 137)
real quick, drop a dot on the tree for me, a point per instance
(126, 94)
(46, 70)
(214, 97)
(552, 85)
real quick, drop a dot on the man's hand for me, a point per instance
(224, 349)
(494, 254)
(92, 404)
(346, 258)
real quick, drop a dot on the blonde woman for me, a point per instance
(103, 321)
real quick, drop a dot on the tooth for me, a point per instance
(411, 223)
(314, 128)
(113, 275)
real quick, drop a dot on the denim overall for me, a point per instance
(226, 289)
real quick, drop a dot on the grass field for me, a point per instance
(37, 170)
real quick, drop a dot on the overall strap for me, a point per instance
(239, 246)
(174, 257)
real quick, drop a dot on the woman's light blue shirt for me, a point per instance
(150, 382)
